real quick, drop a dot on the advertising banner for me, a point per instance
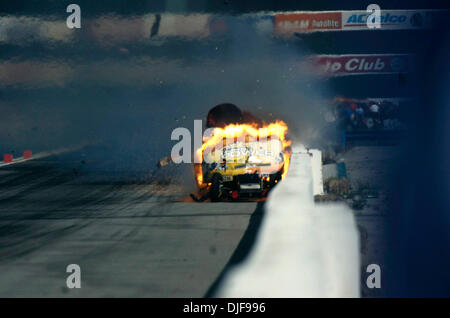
(356, 64)
(307, 21)
(289, 23)
(391, 19)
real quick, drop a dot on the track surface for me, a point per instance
(130, 240)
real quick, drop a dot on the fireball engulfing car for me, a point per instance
(242, 157)
(242, 168)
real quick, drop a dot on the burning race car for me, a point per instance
(241, 157)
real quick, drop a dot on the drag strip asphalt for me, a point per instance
(129, 239)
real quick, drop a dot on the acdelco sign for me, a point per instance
(389, 20)
(386, 18)
(362, 64)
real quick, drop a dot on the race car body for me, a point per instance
(245, 168)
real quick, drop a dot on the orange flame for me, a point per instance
(253, 131)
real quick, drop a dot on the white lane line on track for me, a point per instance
(44, 154)
(17, 160)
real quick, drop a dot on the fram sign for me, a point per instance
(287, 23)
(336, 65)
